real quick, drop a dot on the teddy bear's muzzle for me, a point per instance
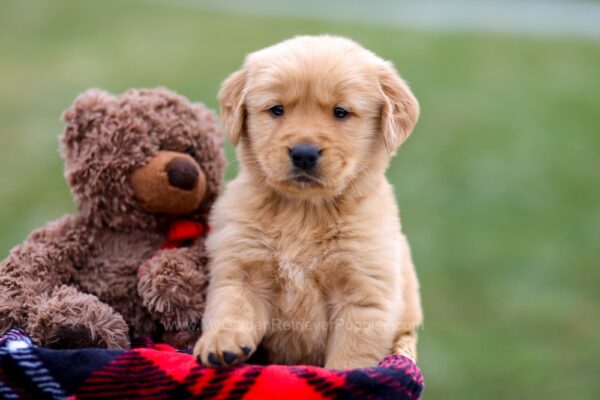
(170, 183)
(182, 173)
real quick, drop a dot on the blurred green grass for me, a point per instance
(499, 186)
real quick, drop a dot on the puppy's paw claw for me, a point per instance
(223, 349)
(214, 360)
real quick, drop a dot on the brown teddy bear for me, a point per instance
(144, 168)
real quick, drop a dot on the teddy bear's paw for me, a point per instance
(172, 289)
(175, 311)
(71, 319)
(224, 348)
(72, 337)
(7, 318)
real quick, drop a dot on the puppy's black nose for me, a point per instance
(304, 156)
(182, 173)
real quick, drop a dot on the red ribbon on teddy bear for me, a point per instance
(182, 231)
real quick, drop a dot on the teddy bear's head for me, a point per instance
(141, 159)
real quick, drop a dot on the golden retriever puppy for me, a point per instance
(308, 258)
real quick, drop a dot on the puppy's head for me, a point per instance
(311, 115)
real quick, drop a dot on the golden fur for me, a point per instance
(316, 272)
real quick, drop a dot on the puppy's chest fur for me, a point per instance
(300, 265)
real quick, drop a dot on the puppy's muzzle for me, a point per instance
(305, 156)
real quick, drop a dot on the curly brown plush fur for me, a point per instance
(98, 277)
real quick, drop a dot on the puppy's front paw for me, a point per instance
(222, 348)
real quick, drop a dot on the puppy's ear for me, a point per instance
(231, 101)
(399, 109)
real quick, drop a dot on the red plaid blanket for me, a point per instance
(158, 371)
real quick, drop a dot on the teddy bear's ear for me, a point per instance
(231, 100)
(84, 116)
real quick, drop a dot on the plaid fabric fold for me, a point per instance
(157, 371)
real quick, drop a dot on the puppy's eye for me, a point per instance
(277, 110)
(340, 113)
(191, 150)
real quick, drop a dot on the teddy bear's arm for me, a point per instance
(46, 259)
(172, 285)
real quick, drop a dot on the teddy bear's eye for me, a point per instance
(191, 150)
